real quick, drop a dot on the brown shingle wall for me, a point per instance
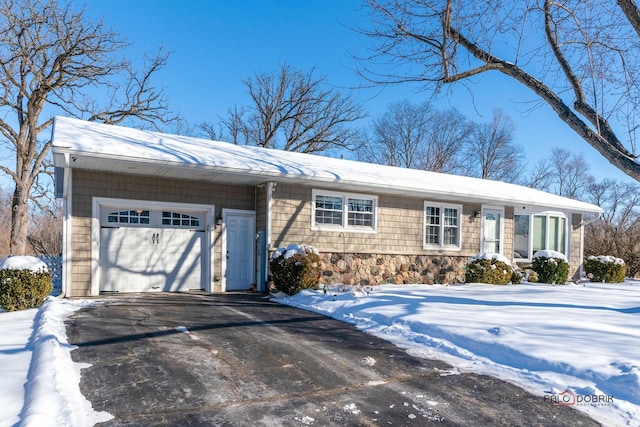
(575, 247)
(400, 222)
(89, 184)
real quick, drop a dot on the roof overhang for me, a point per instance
(90, 146)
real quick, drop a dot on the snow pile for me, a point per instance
(24, 263)
(547, 339)
(605, 259)
(550, 254)
(490, 256)
(42, 387)
(295, 249)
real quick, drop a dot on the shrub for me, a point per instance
(551, 267)
(531, 276)
(606, 269)
(22, 289)
(517, 276)
(490, 268)
(295, 268)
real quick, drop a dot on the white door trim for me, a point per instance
(105, 202)
(223, 262)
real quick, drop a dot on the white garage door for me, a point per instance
(144, 250)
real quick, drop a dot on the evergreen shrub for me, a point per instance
(22, 289)
(551, 267)
(490, 268)
(295, 268)
(605, 269)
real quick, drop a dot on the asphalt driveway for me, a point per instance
(239, 360)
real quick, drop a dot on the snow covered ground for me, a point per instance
(574, 345)
(548, 339)
(40, 383)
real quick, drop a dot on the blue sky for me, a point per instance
(216, 44)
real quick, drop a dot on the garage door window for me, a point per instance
(137, 216)
(179, 219)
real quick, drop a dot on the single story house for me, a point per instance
(146, 211)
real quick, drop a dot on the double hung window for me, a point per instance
(442, 226)
(355, 212)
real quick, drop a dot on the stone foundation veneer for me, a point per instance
(376, 269)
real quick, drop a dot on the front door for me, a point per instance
(240, 234)
(492, 230)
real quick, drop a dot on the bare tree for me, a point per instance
(293, 111)
(617, 230)
(449, 132)
(45, 231)
(569, 172)
(580, 58)
(540, 176)
(399, 136)
(5, 222)
(416, 136)
(492, 153)
(54, 60)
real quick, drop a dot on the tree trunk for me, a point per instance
(19, 221)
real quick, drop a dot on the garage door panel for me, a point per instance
(161, 257)
(121, 263)
(182, 251)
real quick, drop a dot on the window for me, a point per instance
(537, 232)
(138, 216)
(343, 211)
(179, 219)
(521, 237)
(442, 226)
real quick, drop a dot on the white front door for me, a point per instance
(492, 231)
(239, 249)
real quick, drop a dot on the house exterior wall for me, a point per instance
(89, 184)
(575, 258)
(393, 254)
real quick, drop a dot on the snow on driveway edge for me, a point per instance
(52, 390)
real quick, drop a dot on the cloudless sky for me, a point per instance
(215, 44)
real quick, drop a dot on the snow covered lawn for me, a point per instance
(40, 383)
(546, 338)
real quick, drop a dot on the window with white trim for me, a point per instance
(356, 212)
(442, 226)
(537, 232)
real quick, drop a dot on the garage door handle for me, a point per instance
(155, 238)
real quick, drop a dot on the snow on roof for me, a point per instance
(116, 143)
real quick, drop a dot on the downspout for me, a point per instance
(270, 188)
(583, 224)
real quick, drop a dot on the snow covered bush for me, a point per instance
(551, 266)
(24, 283)
(606, 269)
(487, 267)
(294, 268)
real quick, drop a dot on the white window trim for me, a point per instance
(441, 246)
(547, 214)
(345, 212)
